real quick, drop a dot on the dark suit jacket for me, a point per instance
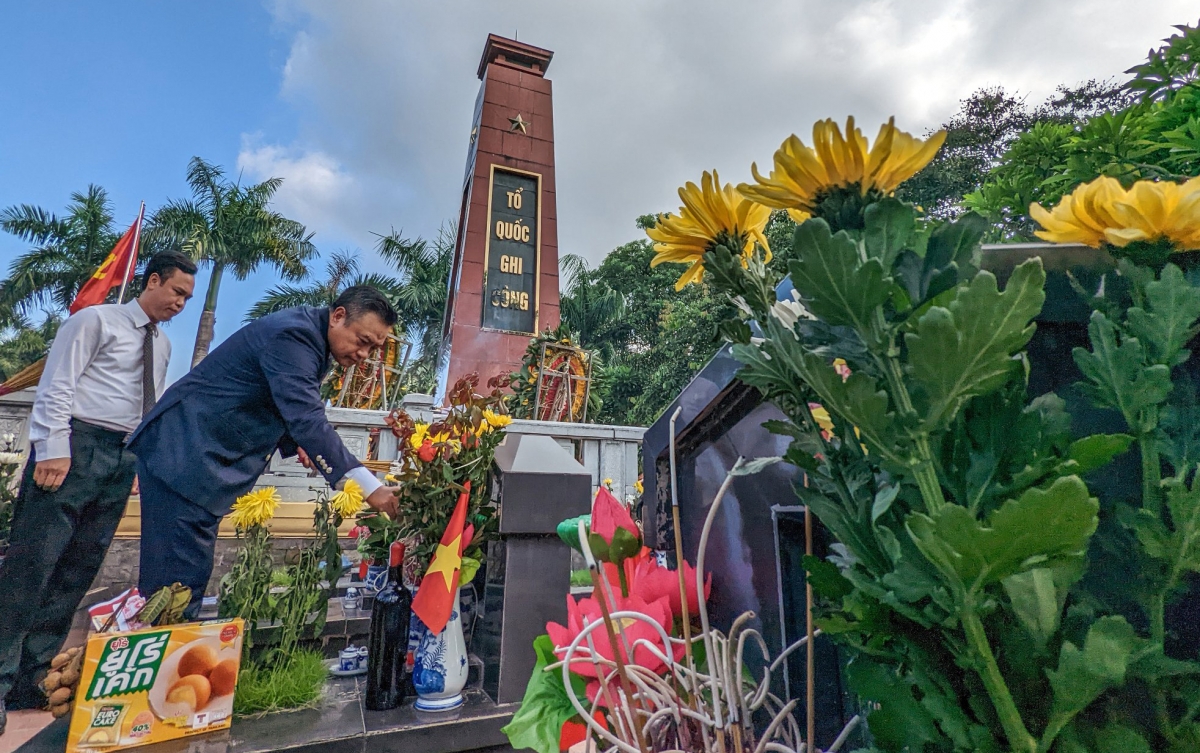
(214, 431)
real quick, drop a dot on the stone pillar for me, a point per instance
(504, 282)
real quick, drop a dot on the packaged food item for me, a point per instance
(148, 686)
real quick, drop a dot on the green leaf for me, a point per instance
(568, 530)
(834, 282)
(1041, 528)
(1118, 738)
(1038, 596)
(751, 467)
(827, 581)
(883, 501)
(958, 242)
(889, 227)
(966, 349)
(1083, 674)
(1097, 450)
(900, 722)
(1117, 375)
(468, 569)
(1170, 323)
(538, 722)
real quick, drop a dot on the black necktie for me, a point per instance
(148, 396)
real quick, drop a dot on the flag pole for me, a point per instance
(137, 234)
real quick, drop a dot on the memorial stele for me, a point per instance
(503, 286)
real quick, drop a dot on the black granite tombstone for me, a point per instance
(538, 485)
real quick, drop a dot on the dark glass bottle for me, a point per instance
(388, 643)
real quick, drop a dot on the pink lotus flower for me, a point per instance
(587, 611)
(650, 582)
(608, 514)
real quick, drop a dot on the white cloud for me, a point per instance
(647, 92)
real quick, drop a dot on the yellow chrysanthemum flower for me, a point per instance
(419, 435)
(802, 175)
(254, 508)
(496, 420)
(638, 487)
(1083, 215)
(711, 214)
(1151, 211)
(1103, 212)
(349, 501)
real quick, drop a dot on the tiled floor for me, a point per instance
(22, 725)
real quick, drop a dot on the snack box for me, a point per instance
(148, 686)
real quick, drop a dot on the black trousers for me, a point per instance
(178, 540)
(56, 547)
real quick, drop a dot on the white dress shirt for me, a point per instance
(367, 480)
(94, 373)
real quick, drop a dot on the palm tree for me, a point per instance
(229, 227)
(23, 344)
(588, 307)
(341, 272)
(424, 268)
(66, 252)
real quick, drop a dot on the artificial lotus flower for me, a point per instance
(650, 581)
(574, 732)
(802, 178)
(711, 215)
(609, 515)
(254, 508)
(587, 611)
(349, 501)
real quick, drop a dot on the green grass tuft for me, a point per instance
(296, 684)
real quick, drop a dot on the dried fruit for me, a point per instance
(60, 696)
(60, 661)
(52, 682)
(70, 676)
(60, 710)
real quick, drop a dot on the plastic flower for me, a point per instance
(711, 215)
(587, 611)
(349, 501)
(254, 508)
(823, 419)
(608, 515)
(649, 581)
(803, 177)
(1081, 216)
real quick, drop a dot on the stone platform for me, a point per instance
(339, 725)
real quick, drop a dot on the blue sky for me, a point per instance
(364, 107)
(124, 99)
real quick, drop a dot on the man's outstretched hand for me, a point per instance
(383, 499)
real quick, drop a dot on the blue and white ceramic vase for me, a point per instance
(376, 577)
(439, 671)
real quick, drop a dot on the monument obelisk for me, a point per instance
(504, 281)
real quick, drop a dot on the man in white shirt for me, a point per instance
(105, 370)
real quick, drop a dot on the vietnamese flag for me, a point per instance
(116, 269)
(438, 591)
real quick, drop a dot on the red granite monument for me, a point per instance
(504, 282)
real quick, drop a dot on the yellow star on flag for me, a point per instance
(447, 560)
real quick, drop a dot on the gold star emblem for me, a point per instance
(519, 124)
(447, 561)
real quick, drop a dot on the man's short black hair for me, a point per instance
(165, 264)
(365, 299)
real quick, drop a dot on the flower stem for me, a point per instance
(1018, 736)
(923, 470)
(1151, 475)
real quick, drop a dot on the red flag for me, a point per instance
(438, 592)
(117, 268)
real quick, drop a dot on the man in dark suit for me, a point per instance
(213, 432)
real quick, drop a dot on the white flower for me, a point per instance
(790, 312)
(10, 458)
(744, 307)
